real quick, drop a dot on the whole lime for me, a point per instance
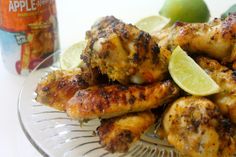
(185, 10)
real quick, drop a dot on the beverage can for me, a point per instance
(28, 33)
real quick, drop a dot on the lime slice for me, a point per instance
(71, 57)
(185, 10)
(189, 76)
(151, 24)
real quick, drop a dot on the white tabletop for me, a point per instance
(75, 17)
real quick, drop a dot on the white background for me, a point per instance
(75, 17)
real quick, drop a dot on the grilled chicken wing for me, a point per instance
(115, 100)
(216, 39)
(226, 79)
(59, 86)
(196, 128)
(118, 134)
(124, 52)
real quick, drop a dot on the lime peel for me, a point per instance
(185, 10)
(189, 76)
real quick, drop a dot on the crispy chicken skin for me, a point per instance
(118, 134)
(217, 39)
(124, 52)
(226, 79)
(196, 128)
(59, 86)
(114, 100)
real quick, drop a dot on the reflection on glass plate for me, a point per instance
(54, 134)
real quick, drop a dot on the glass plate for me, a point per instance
(54, 134)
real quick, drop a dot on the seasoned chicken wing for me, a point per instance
(226, 79)
(124, 52)
(59, 86)
(216, 39)
(114, 100)
(118, 134)
(196, 128)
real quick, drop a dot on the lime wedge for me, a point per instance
(151, 24)
(70, 58)
(189, 76)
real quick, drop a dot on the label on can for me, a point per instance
(28, 33)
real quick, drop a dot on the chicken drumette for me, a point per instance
(118, 134)
(107, 101)
(217, 39)
(226, 79)
(196, 128)
(124, 52)
(59, 86)
(56, 88)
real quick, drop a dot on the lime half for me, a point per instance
(70, 58)
(151, 24)
(189, 75)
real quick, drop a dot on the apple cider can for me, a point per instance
(28, 33)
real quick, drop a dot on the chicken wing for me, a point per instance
(226, 79)
(59, 86)
(119, 134)
(216, 39)
(114, 100)
(196, 128)
(124, 52)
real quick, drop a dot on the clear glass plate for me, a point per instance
(54, 134)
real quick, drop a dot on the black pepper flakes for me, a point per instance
(104, 94)
(126, 136)
(136, 57)
(80, 81)
(143, 39)
(226, 124)
(195, 124)
(142, 96)
(124, 32)
(45, 89)
(234, 75)
(155, 52)
(61, 84)
(131, 99)
(122, 88)
(85, 59)
(79, 94)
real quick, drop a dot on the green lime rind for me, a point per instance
(185, 10)
(189, 76)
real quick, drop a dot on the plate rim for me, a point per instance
(26, 133)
